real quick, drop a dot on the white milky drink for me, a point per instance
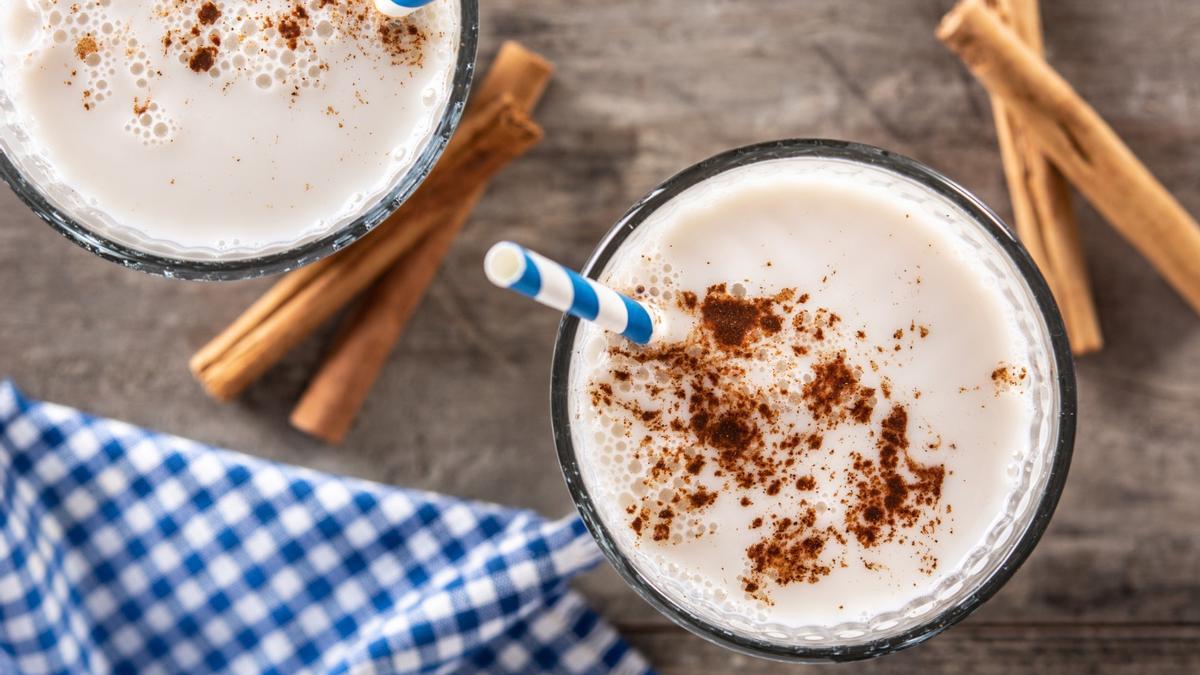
(224, 128)
(847, 415)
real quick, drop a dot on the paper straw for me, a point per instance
(511, 266)
(399, 8)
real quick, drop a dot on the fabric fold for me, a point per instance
(124, 550)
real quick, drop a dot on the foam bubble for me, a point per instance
(21, 23)
(150, 123)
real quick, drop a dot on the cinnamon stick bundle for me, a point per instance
(1041, 201)
(1087, 151)
(305, 299)
(334, 396)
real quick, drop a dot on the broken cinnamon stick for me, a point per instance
(1041, 201)
(333, 398)
(1080, 143)
(304, 299)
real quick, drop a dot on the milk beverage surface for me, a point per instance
(849, 398)
(219, 128)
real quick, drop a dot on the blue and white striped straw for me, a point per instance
(511, 266)
(399, 8)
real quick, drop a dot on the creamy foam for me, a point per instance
(860, 267)
(222, 128)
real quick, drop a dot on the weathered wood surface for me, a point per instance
(644, 88)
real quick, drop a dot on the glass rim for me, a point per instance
(1064, 383)
(297, 256)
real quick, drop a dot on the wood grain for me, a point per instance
(642, 90)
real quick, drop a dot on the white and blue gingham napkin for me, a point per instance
(128, 551)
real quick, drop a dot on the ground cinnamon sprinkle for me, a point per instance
(732, 321)
(791, 553)
(402, 42)
(202, 59)
(886, 499)
(701, 498)
(1006, 376)
(86, 46)
(208, 14)
(835, 394)
(289, 29)
(716, 433)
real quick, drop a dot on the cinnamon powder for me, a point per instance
(717, 434)
(402, 42)
(734, 322)
(791, 553)
(85, 47)
(202, 59)
(885, 499)
(208, 14)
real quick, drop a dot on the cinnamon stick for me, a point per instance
(303, 300)
(333, 398)
(1080, 143)
(1016, 152)
(1041, 201)
(516, 72)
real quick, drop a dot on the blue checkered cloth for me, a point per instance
(128, 551)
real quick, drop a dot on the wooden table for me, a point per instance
(646, 87)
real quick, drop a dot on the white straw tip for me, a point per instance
(504, 264)
(394, 9)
